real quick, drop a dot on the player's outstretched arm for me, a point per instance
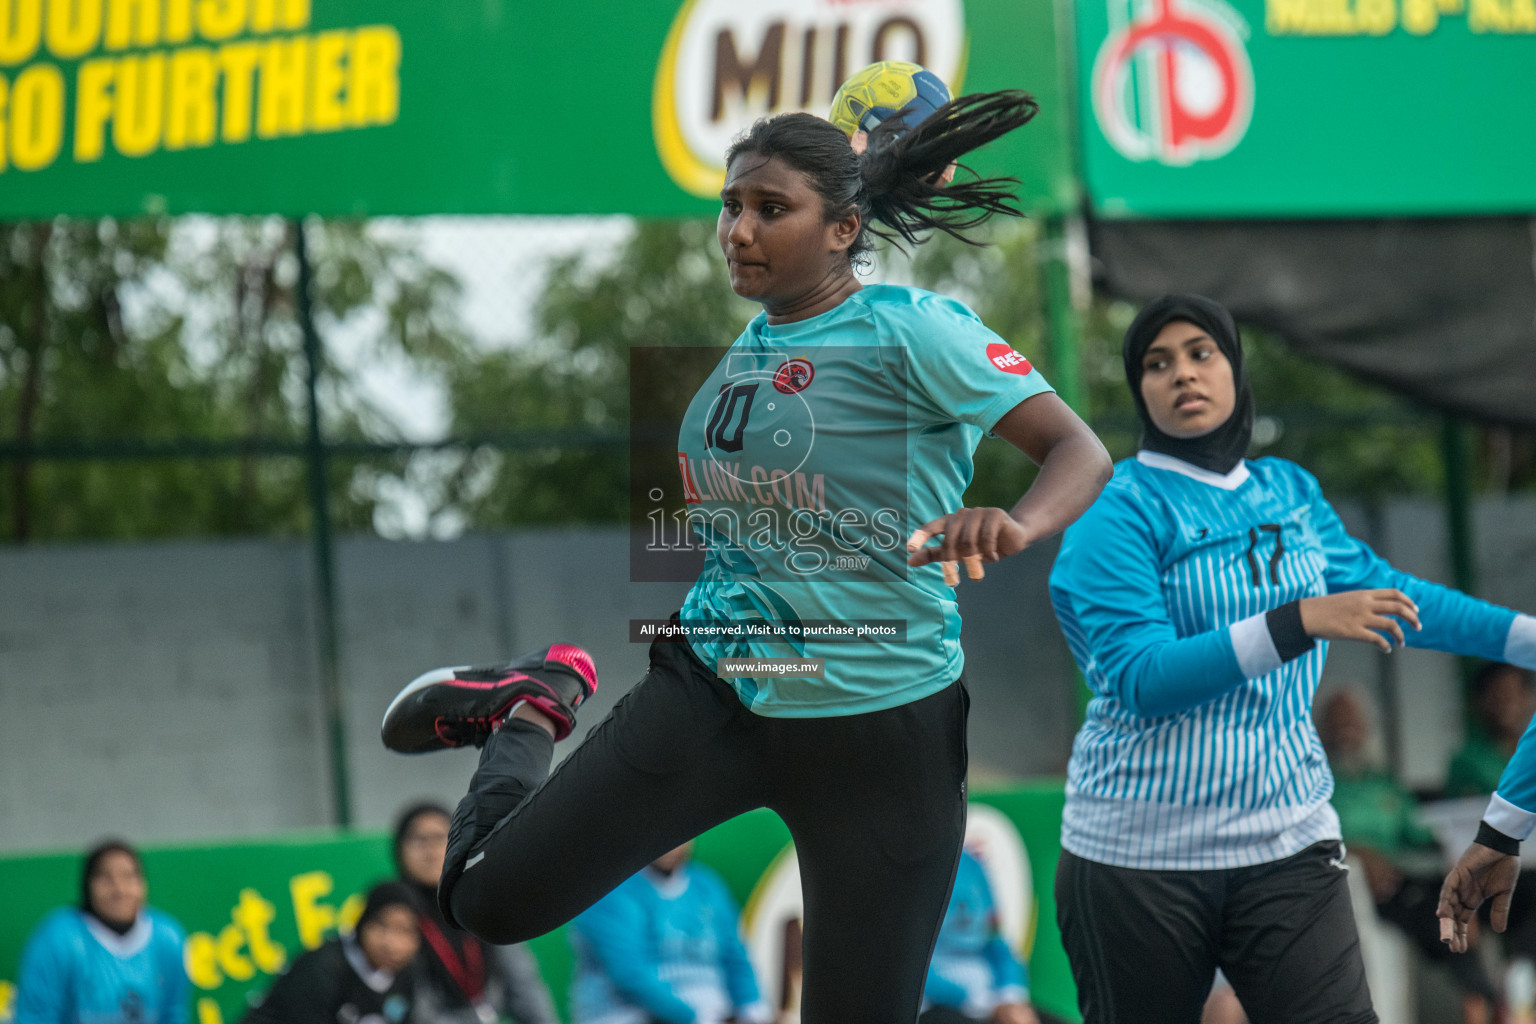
(1445, 618)
(1074, 467)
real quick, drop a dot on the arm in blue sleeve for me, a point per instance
(940, 991)
(1007, 971)
(178, 988)
(43, 982)
(1513, 807)
(614, 928)
(740, 978)
(1009, 978)
(1108, 570)
(1453, 622)
(1457, 624)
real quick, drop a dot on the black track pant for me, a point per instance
(1145, 945)
(875, 804)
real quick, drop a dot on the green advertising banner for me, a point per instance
(369, 107)
(1276, 108)
(249, 908)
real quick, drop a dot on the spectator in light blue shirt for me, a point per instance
(112, 960)
(664, 948)
(974, 975)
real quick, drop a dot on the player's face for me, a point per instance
(1345, 726)
(778, 246)
(390, 939)
(1186, 382)
(117, 889)
(1508, 702)
(423, 848)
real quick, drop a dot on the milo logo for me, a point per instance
(726, 63)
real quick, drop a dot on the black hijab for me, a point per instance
(93, 859)
(385, 895)
(1223, 448)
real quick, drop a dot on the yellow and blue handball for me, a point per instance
(883, 90)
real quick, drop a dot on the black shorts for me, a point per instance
(1145, 945)
(875, 803)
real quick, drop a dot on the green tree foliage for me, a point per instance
(158, 331)
(665, 288)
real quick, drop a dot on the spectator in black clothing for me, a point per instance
(363, 978)
(460, 979)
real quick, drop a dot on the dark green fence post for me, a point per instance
(320, 515)
(1061, 316)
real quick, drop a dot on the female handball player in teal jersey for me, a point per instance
(880, 394)
(1197, 596)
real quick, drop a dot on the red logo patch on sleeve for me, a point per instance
(1005, 358)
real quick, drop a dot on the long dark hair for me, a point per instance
(894, 182)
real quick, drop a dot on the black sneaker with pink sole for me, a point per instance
(463, 706)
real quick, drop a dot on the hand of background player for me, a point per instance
(1362, 615)
(1482, 873)
(1381, 875)
(975, 535)
(1014, 1013)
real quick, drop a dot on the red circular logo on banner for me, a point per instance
(1005, 358)
(1174, 84)
(793, 376)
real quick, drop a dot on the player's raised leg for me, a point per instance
(529, 850)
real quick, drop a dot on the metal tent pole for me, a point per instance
(325, 588)
(1066, 357)
(1061, 316)
(1458, 504)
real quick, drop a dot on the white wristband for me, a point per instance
(1254, 647)
(1520, 647)
(1515, 822)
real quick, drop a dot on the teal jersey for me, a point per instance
(808, 457)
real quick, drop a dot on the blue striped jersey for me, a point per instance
(1198, 749)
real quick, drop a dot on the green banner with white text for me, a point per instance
(346, 107)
